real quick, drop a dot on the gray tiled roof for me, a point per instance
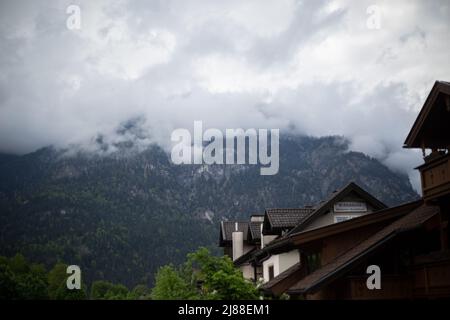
(228, 227)
(255, 229)
(287, 217)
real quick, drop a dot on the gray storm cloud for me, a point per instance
(309, 66)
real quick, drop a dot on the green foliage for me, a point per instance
(57, 285)
(99, 289)
(32, 286)
(104, 290)
(8, 285)
(21, 280)
(18, 264)
(140, 292)
(219, 278)
(203, 276)
(170, 285)
(62, 293)
(117, 292)
(56, 277)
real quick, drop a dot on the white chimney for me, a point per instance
(262, 236)
(238, 242)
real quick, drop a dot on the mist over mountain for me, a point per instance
(123, 214)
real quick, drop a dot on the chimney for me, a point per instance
(238, 242)
(262, 236)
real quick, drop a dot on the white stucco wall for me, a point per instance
(288, 259)
(247, 271)
(280, 263)
(267, 239)
(273, 260)
(329, 218)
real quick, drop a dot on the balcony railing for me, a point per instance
(435, 175)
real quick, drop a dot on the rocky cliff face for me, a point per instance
(121, 216)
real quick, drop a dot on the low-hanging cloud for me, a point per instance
(312, 67)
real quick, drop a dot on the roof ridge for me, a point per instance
(290, 208)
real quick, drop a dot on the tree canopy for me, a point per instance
(203, 276)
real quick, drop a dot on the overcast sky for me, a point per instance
(314, 67)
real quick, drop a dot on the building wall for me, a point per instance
(280, 262)
(329, 218)
(247, 271)
(267, 239)
(273, 260)
(229, 249)
(288, 259)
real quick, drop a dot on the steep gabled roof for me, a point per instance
(335, 197)
(278, 219)
(344, 262)
(431, 128)
(228, 227)
(255, 230)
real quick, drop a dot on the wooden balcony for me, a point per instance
(435, 176)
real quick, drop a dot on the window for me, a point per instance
(340, 218)
(271, 272)
(259, 273)
(350, 206)
(313, 262)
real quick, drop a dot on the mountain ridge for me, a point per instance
(121, 217)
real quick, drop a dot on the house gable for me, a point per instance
(431, 128)
(349, 202)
